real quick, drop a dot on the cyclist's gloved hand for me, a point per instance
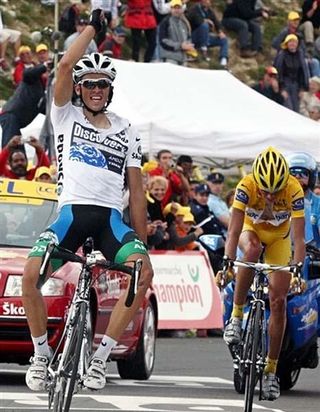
(297, 284)
(96, 20)
(226, 275)
(297, 269)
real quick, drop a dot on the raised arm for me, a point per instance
(64, 83)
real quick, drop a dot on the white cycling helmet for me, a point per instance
(302, 161)
(94, 63)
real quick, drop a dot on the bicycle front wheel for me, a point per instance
(65, 383)
(252, 348)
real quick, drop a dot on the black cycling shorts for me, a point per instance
(75, 223)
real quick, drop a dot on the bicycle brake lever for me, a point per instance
(45, 262)
(134, 280)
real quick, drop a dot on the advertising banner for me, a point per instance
(186, 292)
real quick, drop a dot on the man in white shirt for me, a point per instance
(95, 149)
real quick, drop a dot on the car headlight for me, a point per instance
(53, 287)
(13, 286)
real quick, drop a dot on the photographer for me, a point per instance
(157, 234)
(15, 156)
(25, 104)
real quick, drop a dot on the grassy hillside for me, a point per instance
(29, 16)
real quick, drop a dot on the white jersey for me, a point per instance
(91, 162)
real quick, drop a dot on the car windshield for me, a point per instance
(23, 219)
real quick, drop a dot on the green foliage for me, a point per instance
(32, 16)
(25, 12)
(6, 87)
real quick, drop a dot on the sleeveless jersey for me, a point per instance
(91, 162)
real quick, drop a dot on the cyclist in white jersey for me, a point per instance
(95, 149)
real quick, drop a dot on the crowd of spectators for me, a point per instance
(293, 77)
(180, 31)
(176, 31)
(180, 206)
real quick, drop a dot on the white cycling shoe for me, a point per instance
(270, 387)
(232, 332)
(96, 375)
(36, 376)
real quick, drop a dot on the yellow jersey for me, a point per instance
(288, 202)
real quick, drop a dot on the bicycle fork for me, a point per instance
(55, 372)
(261, 354)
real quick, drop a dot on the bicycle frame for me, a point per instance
(249, 356)
(68, 368)
(81, 296)
(240, 362)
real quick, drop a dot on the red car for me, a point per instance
(26, 209)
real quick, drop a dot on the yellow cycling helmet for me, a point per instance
(270, 170)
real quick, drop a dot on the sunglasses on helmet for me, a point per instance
(90, 84)
(302, 173)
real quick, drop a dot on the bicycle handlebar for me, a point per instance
(297, 284)
(262, 266)
(94, 259)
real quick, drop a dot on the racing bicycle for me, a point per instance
(70, 360)
(249, 356)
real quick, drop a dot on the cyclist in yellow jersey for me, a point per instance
(267, 204)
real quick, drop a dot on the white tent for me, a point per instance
(207, 113)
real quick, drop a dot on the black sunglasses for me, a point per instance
(90, 84)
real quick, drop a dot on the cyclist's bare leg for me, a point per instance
(120, 318)
(33, 302)
(121, 315)
(279, 283)
(250, 245)
(36, 313)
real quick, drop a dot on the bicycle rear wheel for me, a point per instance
(65, 383)
(252, 347)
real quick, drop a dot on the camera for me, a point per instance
(25, 139)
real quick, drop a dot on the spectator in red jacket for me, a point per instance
(140, 18)
(113, 42)
(14, 162)
(25, 62)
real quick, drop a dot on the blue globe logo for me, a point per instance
(88, 154)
